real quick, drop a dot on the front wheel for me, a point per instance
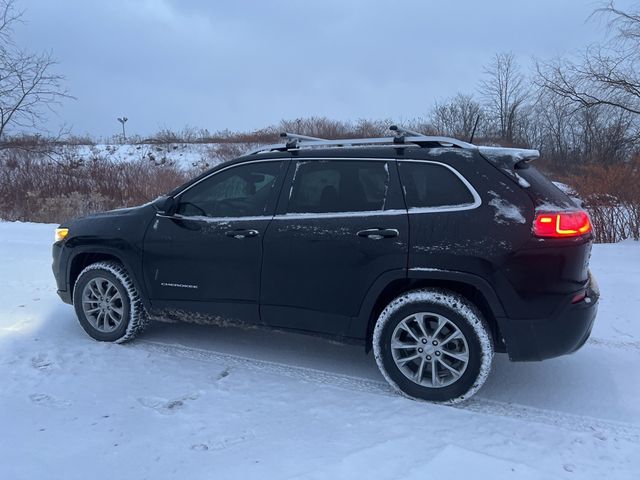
(107, 303)
(433, 345)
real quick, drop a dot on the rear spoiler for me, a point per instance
(508, 160)
(513, 157)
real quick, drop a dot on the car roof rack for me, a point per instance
(401, 137)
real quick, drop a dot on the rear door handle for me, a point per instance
(378, 233)
(241, 233)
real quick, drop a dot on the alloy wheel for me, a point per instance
(102, 304)
(430, 350)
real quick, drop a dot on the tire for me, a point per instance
(454, 342)
(107, 303)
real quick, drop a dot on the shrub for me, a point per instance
(41, 189)
(612, 196)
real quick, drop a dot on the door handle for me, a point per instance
(378, 233)
(242, 233)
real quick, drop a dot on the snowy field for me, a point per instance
(190, 402)
(184, 155)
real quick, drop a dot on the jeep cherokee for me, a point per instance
(432, 252)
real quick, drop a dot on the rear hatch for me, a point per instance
(556, 260)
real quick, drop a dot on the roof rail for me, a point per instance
(402, 137)
(295, 139)
(404, 131)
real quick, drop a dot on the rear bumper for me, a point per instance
(564, 333)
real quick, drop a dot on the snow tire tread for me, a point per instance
(138, 317)
(447, 299)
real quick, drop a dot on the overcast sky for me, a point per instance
(243, 64)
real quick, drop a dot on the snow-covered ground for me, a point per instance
(192, 402)
(185, 155)
(180, 153)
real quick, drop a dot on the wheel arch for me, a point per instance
(472, 287)
(87, 256)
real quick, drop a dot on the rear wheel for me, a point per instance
(433, 345)
(107, 303)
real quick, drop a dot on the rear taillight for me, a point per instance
(561, 224)
(580, 296)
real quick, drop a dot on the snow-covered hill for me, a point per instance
(186, 155)
(192, 402)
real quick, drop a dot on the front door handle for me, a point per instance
(241, 233)
(378, 233)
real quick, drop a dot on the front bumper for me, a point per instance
(59, 272)
(65, 296)
(564, 333)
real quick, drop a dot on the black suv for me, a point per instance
(432, 252)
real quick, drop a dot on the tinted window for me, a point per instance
(339, 186)
(432, 185)
(236, 192)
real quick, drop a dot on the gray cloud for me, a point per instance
(245, 64)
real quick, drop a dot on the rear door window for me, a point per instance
(436, 186)
(331, 186)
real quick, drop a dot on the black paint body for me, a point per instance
(314, 273)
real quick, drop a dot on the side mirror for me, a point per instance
(165, 205)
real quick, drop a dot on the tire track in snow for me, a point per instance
(311, 375)
(567, 421)
(616, 344)
(601, 428)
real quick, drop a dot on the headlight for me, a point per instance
(61, 234)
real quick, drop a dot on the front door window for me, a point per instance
(240, 191)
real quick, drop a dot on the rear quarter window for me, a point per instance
(543, 192)
(434, 185)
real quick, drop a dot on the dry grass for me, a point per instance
(36, 188)
(38, 183)
(612, 196)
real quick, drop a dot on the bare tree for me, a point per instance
(29, 88)
(456, 116)
(605, 75)
(554, 117)
(504, 91)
